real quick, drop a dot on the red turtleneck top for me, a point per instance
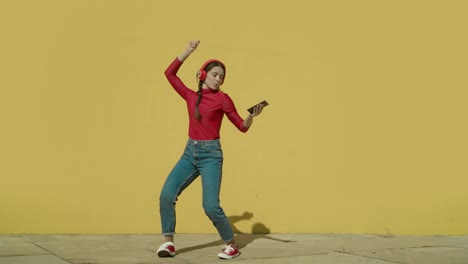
(214, 104)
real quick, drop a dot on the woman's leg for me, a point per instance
(181, 176)
(211, 174)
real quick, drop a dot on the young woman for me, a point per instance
(203, 154)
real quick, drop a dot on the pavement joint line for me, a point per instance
(9, 256)
(446, 246)
(464, 247)
(435, 246)
(51, 253)
(306, 255)
(386, 260)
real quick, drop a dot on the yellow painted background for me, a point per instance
(366, 131)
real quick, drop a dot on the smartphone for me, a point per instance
(264, 103)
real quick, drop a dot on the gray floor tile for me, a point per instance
(424, 255)
(25, 238)
(20, 249)
(49, 259)
(101, 251)
(332, 258)
(203, 248)
(13, 239)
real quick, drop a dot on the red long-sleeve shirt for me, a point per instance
(213, 106)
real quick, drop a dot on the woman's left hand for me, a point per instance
(257, 110)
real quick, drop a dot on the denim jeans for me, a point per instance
(205, 158)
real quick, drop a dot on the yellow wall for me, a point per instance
(366, 131)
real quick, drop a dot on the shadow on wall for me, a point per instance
(259, 230)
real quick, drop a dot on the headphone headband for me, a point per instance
(202, 73)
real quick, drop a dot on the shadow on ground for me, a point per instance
(259, 231)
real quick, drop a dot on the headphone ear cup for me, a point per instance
(202, 75)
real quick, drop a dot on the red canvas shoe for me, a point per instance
(166, 250)
(229, 252)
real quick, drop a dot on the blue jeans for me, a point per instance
(201, 157)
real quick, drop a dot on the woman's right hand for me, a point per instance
(192, 46)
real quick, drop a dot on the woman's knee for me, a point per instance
(213, 211)
(167, 198)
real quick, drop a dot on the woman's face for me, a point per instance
(214, 78)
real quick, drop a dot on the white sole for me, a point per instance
(224, 256)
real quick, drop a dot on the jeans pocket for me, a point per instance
(213, 150)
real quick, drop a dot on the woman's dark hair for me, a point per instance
(208, 68)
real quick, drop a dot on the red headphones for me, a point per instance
(202, 73)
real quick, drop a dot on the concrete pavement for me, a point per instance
(255, 248)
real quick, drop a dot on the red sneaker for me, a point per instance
(166, 250)
(229, 253)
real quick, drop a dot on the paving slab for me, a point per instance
(25, 238)
(255, 248)
(333, 258)
(100, 251)
(46, 259)
(423, 255)
(20, 249)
